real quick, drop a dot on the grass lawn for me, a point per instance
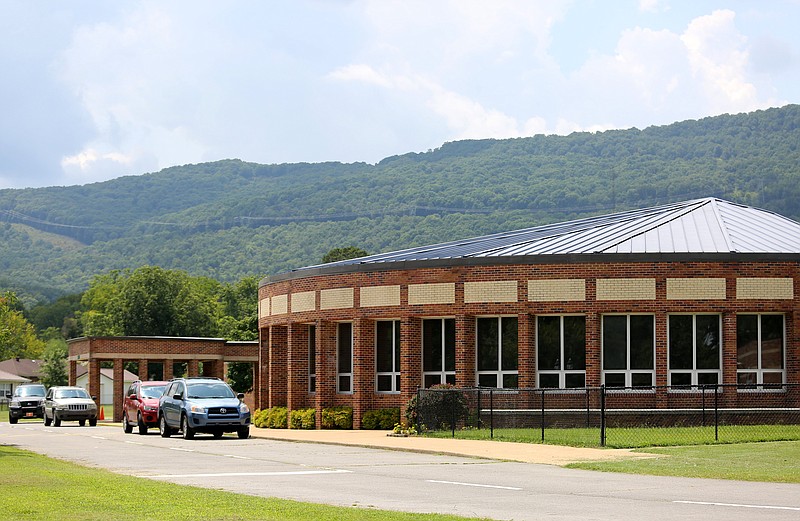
(771, 462)
(39, 488)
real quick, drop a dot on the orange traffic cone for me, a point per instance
(102, 416)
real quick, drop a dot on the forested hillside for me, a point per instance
(230, 219)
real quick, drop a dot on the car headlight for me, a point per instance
(150, 408)
(244, 409)
(198, 410)
(62, 407)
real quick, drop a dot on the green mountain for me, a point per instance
(229, 219)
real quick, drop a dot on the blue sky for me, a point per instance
(94, 90)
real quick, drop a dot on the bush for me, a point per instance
(384, 419)
(303, 419)
(437, 408)
(273, 418)
(337, 418)
(260, 418)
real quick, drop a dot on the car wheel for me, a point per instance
(188, 432)
(56, 420)
(92, 422)
(47, 420)
(218, 434)
(82, 423)
(165, 430)
(142, 425)
(126, 425)
(12, 420)
(243, 432)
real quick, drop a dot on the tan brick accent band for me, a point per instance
(379, 296)
(696, 289)
(626, 289)
(280, 304)
(556, 290)
(263, 307)
(764, 288)
(336, 298)
(494, 291)
(305, 301)
(443, 293)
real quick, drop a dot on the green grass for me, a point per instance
(777, 462)
(39, 488)
(639, 437)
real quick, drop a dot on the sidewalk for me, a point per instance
(506, 451)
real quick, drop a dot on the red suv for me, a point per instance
(141, 405)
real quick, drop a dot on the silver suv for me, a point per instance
(192, 405)
(70, 404)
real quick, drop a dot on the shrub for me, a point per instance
(303, 418)
(381, 418)
(437, 408)
(260, 418)
(273, 418)
(337, 418)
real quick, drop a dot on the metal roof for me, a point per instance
(700, 226)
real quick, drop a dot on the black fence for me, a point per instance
(616, 417)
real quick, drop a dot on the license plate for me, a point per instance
(29, 415)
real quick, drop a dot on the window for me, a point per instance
(312, 359)
(561, 351)
(344, 358)
(694, 350)
(497, 352)
(760, 349)
(628, 350)
(439, 351)
(387, 356)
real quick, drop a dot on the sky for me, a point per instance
(92, 90)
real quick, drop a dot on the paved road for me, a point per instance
(354, 476)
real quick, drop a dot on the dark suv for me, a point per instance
(208, 405)
(26, 402)
(140, 406)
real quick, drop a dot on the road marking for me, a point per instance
(180, 449)
(134, 443)
(471, 484)
(238, 474)
(768, 507)
(234, 456)
(98, 437)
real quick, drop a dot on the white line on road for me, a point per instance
(180, 449)
(471, 484)
(769, 507)
(98, 437)
(237, 474)
(234, 456)
(134, 443)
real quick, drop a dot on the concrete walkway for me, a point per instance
(506, 451)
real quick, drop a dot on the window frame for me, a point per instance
(339, 374)
(395, 351)
(499, 372)
(695, 372)
(444, 373)
(562, 372)
(628, 372)
(759, 384)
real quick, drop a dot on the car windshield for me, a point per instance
(152, 391)
(33, 390)
(71, 393)
(210, 390)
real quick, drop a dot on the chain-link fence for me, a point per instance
(615, 417)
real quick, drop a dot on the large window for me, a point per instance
(694, 350)
(561, 351)
(760, 349)
(439, 351)
(628, 350)
(497, 352)
(387, 356)
(312, 359)
(344, 358)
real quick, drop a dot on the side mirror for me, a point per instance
(94, 398)
(240, 396)
(8, 394)
(132, 397)
(177, 397)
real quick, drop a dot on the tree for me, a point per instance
(240, 376)
(54, 366)
(340, 254)
(17, 335)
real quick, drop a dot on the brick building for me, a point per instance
(699, 292)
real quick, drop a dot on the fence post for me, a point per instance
(491, 413)
(603, 415)
(480, 417)
(588, 412)
(703, 396)
(419, 411)
(453, 415)
(542, 415)
(716, 413)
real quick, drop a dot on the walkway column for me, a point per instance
(168, 370)
(465, 351)
(262, 371)
(143, 370)
(72, 370)
(94, 380)
(297, 367)
(326, 367)
(277, 365)
(193, 367)
(119, 388)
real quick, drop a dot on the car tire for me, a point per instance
(243, 432)
(12, 420)
(188, 432)
(141, 424)
(92, 422)
(82, 423)
(165, 430)
(218, 434)
(56, 420)
(47, 420)
(126, 425)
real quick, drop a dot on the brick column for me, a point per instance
(594, 369)
(661, 364)
(167, 371)
(730, 360)
(72, 369)
(363, 368)
(193, 368)
(326, 367)
(410, 360)
(526, 351)
(465, 351)
(297, 367)
(144, 373)
(94, 380)
(261, 377)
(277, 365)
(119, 388)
